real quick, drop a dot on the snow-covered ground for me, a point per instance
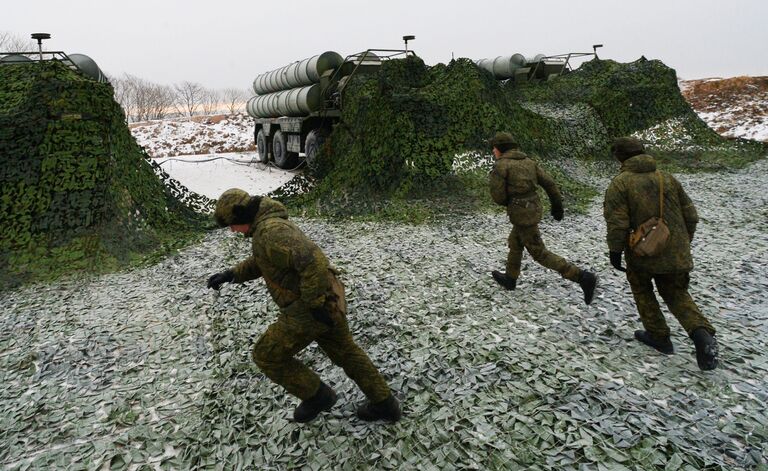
(211, 174)
(734, 107)
(198, 135)
(210, 154)
(736, 125)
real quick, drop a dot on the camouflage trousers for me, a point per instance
(529, 238)
(673, 288)
(293, 331)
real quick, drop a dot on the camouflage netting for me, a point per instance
(625, 97)
(76, 192)
(407, 123)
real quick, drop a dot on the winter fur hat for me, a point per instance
(235, 206)
(626, 147)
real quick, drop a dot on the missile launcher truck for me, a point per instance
(296, 106)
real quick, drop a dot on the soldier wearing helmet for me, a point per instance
(312, 308)
(632, 198)
(513, 183)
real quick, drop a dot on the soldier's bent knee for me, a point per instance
(536, 253)
(261, 355)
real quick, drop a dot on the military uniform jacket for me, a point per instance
(513, 182)
(297, 273)
(632, 198)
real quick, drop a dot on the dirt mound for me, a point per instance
(734, 107)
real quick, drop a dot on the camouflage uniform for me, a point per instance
(631, 199)
(513, 182)
(300, 280)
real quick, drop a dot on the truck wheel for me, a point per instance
(312, 146)
(283, 158)
(262, 147)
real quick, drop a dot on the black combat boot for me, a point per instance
(706, 348)
(664, 345)
(388, 409)
(323, 400)
(588, 282)
(504, 280)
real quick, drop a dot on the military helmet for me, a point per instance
(503, 138)
(225, 214)
(626, 147)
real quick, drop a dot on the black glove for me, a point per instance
(215, 281)
(321, 315)
(557, 212)
(616, 260)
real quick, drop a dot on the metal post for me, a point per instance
(39, 37)
(406, 39)
(594, 49)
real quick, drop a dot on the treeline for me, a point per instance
(143, 100)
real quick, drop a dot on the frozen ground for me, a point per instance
(734, 107)
(211, 174)
(198, 135)
(147, 369)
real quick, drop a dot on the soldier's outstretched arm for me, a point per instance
(243, 271)
(246, 270)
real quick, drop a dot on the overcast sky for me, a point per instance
(226, 43)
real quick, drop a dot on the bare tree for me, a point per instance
(188, 97)
(161, 101)
(143, 100)
(210, 101)
(139, 97)
(123, 97)
(234, 99)
(10, 42)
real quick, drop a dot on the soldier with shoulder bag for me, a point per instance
(651, 219)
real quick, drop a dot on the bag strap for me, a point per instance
(661, 195)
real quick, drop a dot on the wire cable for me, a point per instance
(265, 165)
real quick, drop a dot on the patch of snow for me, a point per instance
(469, 161)
(669, 132)
(211, 175)
(199, 135)
(733, 107)
(734, 122)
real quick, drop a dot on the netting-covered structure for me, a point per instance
(76, 191)
(411, 119)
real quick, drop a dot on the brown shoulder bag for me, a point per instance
(652, 236)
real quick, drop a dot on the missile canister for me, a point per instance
(295, 102)
(535, 59)
(502, 67)
(298, 74)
